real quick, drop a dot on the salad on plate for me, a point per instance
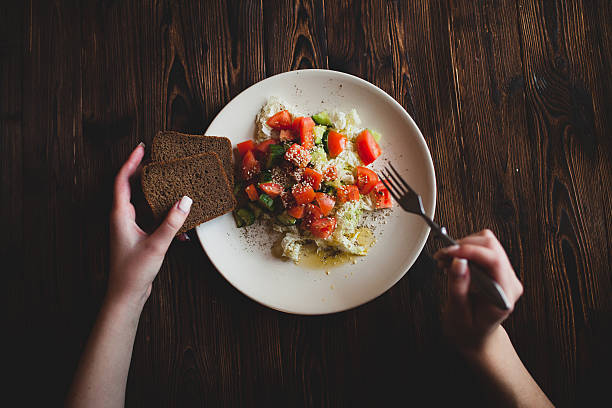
(308, 177)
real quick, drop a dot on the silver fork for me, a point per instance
(411, 202)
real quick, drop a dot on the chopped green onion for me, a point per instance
(322, 118)
(243, 217)
(286, 219)
(275, 152)
(319, 131)
(324, 141)
(239, 221)
(266, 202)
(257, 211)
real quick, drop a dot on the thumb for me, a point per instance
(163, 235)
(458, 287)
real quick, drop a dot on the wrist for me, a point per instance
(488, 349)
(130, 304)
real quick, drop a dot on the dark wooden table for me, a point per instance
(513, 97)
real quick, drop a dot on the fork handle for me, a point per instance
(481, 282)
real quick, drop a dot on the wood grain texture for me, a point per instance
(11, 183)
(294, 35)
(570, 142)
(513, 98)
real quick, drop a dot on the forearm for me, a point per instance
(499, 364)
(101, 377)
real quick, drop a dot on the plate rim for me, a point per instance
(430, 211)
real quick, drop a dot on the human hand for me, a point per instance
(469, 319)
(135, 256)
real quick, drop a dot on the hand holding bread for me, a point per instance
(136, 256)
(187, 183)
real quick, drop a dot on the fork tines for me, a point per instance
(388, 186)
(394, 182)
(401, 191)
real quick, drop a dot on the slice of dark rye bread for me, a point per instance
(200, 177)
(170, 145)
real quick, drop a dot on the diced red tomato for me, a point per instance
(367, 147)
(312, 177)
(281, 120)
(336, 142)
(366, 179)
(382, 196)
(347, 193)
(261, 150)
(326, 202)
(297, 122)
(297, 155)
(323, 228)
(330, 173)
(297, 211)
(303, 193)
(271, 189)
(245, 147)
(304, 127)
(311, 214)
(313, 211)
(264, 146)
(286, 135)
(250, 166)
(251, 191)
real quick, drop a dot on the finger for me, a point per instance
(493, 262)
(122, 181)
(485, 233)
(484, 257)
(442, 254)
(488, 242)
(163, 235)
(458, 289)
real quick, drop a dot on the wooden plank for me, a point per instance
(123, 44)
(359, 42)
(11, 188)
(51, 114)
(494, 151)
(294, 35)
(568, 101)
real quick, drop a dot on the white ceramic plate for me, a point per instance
(246, 260)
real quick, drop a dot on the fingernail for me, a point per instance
(450, 248)
(185, 204)
(141, 144)
(459, 267)
(183, 237)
